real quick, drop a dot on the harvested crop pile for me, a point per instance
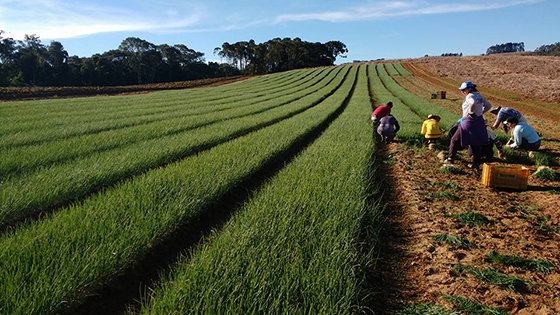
(534, 76)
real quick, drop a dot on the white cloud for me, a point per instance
(387, 9)
(56, 19)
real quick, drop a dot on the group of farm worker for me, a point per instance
(469, 132)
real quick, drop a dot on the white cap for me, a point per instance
(466, 85)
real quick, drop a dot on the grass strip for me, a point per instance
(390, 68)
(294, 248)
(108, 121)
(52, 187)
(421, 106)
(447, 185)
(410, 123)
(402, 71)
(33, 109)
(113, 110)
(493, 277)
(25, 158)
(453, 240)
(51, 265)
(471, 218)
(442, 195)
(538, 265)
(425, 309)
(472, 307)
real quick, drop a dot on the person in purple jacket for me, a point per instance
(388, 128)
(472, 128)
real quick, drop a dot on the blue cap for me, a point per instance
(466, 85)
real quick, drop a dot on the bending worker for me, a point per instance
(523, 135)
(503, 113)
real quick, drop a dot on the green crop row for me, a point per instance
(48, 187)
(410, 123)
(114, 107)
(421, 106)
(401, 70)
(42, 155)
(391, 69)
(80, 104)
(76, 129)
(51, 265)
(293, 249)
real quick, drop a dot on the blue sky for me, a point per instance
(371, 29)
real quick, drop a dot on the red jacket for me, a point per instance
(382, 111)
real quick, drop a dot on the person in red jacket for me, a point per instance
(380, 112)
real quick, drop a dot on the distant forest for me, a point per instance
(506, 48)
(136, 61)
(548, 50)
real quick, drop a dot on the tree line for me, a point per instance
(506, 48)
(280, 54)
(548, 50)
(29, 62)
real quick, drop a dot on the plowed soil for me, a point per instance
(537, 77)
(413, 268)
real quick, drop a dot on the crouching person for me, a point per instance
(523, 136)
(431, 129)
(388, 128)
(487, 150)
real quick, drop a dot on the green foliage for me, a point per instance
(425, 309)
(61, 182)
(452, 240)
(451, 169)
(547, 174)
(471, 218)
(447, 185)
(442, 195)
(290, 250)
(473, 308)
(538, 265)
(402, 71)
(548, 50)
(493, 277)
(543, 158)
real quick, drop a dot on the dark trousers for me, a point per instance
(455, 146)
(530, 146)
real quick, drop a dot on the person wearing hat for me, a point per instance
(431, 129)
(503, 113)
(523, 136)
(380, 112)
(472, 129)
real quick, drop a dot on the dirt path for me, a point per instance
(413, 268)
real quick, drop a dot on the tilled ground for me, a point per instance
(533, 76)
(416, 269)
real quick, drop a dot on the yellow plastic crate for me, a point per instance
(514, 177)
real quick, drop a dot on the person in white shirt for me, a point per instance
(523, 136)
(472, 129)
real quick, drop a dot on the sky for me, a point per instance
(370, 29)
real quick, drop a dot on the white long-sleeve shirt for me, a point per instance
(475, 104)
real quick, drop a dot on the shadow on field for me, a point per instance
(127, 290)
(384, 279)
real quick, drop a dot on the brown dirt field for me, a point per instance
(414, 269)
(532, 76)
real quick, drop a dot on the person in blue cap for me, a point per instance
(472, 128)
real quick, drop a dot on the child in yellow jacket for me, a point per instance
(432, 130)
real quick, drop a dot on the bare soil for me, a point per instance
(415, 269)
(532, 76)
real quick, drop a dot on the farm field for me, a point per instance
(269, 195)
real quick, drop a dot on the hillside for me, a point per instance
(537, 77)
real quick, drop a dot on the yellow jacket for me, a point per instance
(431, 129)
